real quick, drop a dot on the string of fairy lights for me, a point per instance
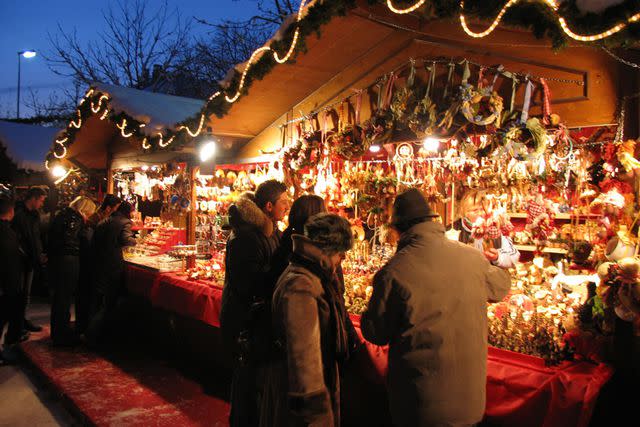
(128, 129)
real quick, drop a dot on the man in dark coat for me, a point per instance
(429, 303)
(26, 224)
(12, 260)
(245, 315)
(110, 237)
(67, 237)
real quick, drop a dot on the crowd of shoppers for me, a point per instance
(84, 264)
(283, 313)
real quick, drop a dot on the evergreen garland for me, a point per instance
(531, 15)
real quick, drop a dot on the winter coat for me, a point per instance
(66, 233)
(26, 224)
(429, 303)
(280, 262)
(110, 236)
(248, 282)
(12, 261)
(303, 387)
(508, 255)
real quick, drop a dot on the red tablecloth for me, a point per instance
(521, 390)
(190, 299)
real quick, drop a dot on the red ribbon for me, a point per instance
(546, 101)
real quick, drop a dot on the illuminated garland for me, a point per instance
(97, 103)
(316, 15)
(561, 21)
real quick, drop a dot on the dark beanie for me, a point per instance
(411, 206)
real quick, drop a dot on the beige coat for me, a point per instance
(430, 305)
(297, 390)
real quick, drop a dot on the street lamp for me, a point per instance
(28, 54)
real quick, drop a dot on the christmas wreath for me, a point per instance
(305, 152)
(350, 142)
(480, 106)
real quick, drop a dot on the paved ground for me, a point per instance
(24, 400)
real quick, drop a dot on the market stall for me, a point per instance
(414, 103)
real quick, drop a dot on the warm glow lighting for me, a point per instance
(145, 168)
(63, 154)
(58, 171)
(145, 144)
(375, 148)
(207, 151)
(418, 4)
(563, 23)
(431, 144)
(28, 54)
(197, 132)
(163, 144)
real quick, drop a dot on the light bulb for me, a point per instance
(431, 144)
(375, 148)
(207, 151)
(58, 171)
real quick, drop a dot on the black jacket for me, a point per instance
(26, 224)
(248, 276)
(12, 260)
(110, 236)
(66, 233)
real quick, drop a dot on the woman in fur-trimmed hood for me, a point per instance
(302, 386)
(245, 314)
(250, 247)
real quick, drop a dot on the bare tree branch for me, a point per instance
(135, 41)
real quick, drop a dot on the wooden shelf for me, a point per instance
(532, 248)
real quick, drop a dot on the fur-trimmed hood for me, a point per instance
(246, 214)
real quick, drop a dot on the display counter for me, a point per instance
(521, 390)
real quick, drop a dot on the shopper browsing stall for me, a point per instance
(429, 303)
(111, 236)
(109, 205)
(303, 386)
(245, 314)
(12, 260)
(26, 224)
(67, 237)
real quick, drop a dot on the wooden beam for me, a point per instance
(109, 168)
(192, 170)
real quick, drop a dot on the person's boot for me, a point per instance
(31, 327)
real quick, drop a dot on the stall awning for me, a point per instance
(97, 138)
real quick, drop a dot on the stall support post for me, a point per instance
(109, 173)
(191, 214)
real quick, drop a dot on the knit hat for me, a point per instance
(329, 232)
(409, 206)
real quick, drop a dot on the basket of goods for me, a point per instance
(349, 141)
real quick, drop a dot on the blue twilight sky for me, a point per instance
(24, 25)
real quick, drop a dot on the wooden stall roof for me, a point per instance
(353, 51)
(98, 139)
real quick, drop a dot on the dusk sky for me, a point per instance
(24, 24)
